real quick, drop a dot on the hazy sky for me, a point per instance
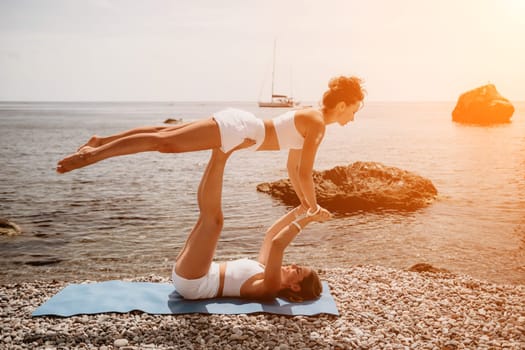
(178, 50)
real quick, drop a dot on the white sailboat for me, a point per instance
(277, 100)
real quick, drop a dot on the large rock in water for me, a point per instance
(9, 228)
(483, 105)
(361, 186)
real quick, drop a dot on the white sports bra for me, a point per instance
(237, 272)
(287, 134)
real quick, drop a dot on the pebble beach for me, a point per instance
(380, 308)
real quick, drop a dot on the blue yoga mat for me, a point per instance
(163, 299)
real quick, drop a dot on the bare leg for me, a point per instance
(96, 141)
(197, 255)
(196, 136)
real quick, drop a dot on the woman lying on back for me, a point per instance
(197, 276)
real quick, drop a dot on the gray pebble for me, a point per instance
(120, 342)
(379, 308)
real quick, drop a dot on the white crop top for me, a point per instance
(287, 134)
(237, 272)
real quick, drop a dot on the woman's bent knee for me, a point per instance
(213, 222)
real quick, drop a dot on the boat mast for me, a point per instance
(273, 69)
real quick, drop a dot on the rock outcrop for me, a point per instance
(483, 105)
(360, 186)
(173, 121)
(9, 228)
(424, 267)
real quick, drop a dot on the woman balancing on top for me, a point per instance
(300, 131)
(195, 274)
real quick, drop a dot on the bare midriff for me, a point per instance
(270, 142)
(222, 273)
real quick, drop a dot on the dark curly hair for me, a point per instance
(345, 89)
(311, 289)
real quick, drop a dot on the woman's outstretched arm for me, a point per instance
(281, 223)
(294, 159)
(277, 226)
(312, 140)
(279, 243)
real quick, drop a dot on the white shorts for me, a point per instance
(236, 125)
(205, 287)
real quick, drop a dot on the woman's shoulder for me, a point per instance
(309, 113)
(310, 117)
(255, 288)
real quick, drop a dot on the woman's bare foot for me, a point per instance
(75, 161)
(94, 141)
(321, 215)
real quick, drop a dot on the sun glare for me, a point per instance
(515, 8)
(520, 4)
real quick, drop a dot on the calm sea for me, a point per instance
(130, 215)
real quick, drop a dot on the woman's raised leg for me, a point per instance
(96, 141)
(197, 255)
(195, 136)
